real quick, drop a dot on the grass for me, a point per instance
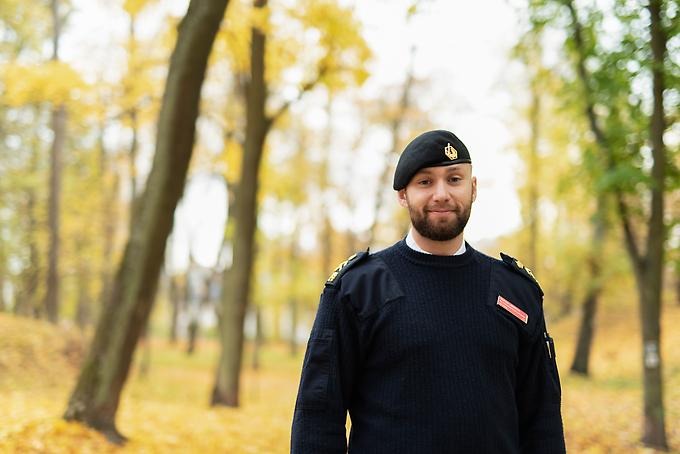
(167, 409)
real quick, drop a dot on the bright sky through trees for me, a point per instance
(462, 50)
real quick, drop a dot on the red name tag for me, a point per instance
(514, 310)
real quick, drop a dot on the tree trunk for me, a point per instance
(581, 359)
(566, 304)
(3, 304)
(59, 131)
(134, 184)
(294, 276)
(191, 310)
(145, 344)
(52, 295)
(174, 297)
(3, 266)
(84, 302)
(96, 396)
(133, 114)
(27, 298)
(652, 283)
(192, 335)
(293, 326)
(237, 280)
(109, 190)
(259, 338)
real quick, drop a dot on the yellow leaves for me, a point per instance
(315, 38)
(58, 436)
(412, 9)
(55, 82)
(345, 53)
(35, 353)
(602, 414)
(141, 92)
(22, 24)
(232, 159)
(134, 7)
(259, 19)
(233, 39)
(167, 411)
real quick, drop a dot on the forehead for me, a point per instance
(445, 170)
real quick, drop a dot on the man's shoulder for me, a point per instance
(366, 281)
(513, 269)
(353, 261)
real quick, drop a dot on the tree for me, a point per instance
(345, 52)
(647, 263)
(237, 279)
(529, 50)
(22, 170)
(584, 342)
(554, 244)
(59, 131)
(96, 396)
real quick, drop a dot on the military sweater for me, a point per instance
(429, 354)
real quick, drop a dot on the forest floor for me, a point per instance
(166, 409)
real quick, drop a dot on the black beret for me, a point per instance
(430, 149)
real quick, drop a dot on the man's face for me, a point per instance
(439, 200)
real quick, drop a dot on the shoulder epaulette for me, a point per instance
(519, 267)
(344, 266)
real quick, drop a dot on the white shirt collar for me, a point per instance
(410, 242)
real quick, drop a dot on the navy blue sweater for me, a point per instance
(429, 354)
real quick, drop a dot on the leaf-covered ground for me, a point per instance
(167, 409)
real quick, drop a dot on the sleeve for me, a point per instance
(539, 397)
(327, 378)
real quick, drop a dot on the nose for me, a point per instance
(440, 192)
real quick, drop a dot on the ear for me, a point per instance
(401, 196)
(474, 188)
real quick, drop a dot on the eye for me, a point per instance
(423, 182)
(455, 179)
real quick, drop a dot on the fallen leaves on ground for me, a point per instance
(167, 409)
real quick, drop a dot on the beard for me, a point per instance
(440, 230)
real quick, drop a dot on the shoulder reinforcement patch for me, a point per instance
(344, 266)
(519, 267)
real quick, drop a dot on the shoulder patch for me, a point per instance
(344, 266)
(519, 267)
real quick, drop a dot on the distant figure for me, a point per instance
(430, 345)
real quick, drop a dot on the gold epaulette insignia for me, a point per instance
(345, 265)
(519, 267)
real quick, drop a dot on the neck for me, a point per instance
(448, 247)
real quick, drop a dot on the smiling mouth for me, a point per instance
(440, 210)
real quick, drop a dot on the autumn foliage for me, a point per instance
(167, 409)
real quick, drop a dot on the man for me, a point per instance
(430, 345)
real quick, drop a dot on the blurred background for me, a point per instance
(178, 179)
